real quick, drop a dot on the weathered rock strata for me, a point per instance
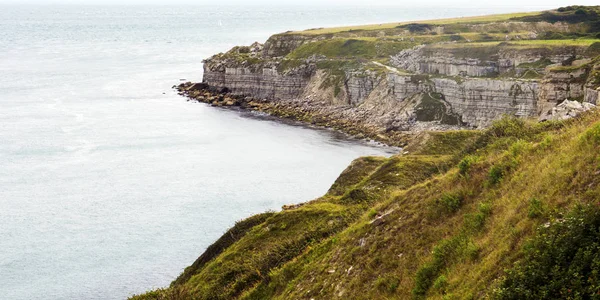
(478, 61)
(344, 118)
(435, 86)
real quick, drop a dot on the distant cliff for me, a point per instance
(428, 75)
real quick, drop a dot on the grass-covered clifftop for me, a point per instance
(565, 31)
(574, 27)
(511, 212)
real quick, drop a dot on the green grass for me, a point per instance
(522, 44)
(573, 14)
(368, 48)
(477, 19)
(541, 63)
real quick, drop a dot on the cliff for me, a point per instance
(430, 75)
(507, 212)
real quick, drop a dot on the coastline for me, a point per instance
(305, 112)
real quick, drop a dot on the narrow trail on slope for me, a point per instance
(391, 69)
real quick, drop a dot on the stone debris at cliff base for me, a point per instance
(566, 110)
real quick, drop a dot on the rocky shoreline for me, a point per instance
(345, 120)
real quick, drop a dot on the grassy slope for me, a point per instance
(571, 15)
(456, 213)
(476, 19)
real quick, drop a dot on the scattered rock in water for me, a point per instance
(566, 110)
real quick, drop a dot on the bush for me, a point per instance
(456, 38)
(387, 283)
(562, 261)
(509, 127)
(444, 253)
(441, 283)
(594, 49)
(474, 222)
(417, 27)
(496, 174)
(450, 202)
(465, 164)
(536, 208)
(591, 136)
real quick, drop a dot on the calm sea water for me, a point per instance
(110, 184)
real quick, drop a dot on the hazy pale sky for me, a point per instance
(435, 3)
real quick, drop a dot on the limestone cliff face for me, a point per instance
(478, 61)
(479, 101)
(265, 83)
(425, 88)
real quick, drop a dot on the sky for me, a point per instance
(421, 3)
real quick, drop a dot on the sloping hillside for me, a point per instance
(447, 220)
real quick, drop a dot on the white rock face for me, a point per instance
(468, 89)
(566, 110)
(454, 60)
(480, 101)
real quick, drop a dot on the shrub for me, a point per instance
(456, 38)
(465, 164)
(444, 253)
(441, 283)
(496, 174)
(450, 202)
(372, 213)
(509, 126)
(415, 27)
(536, 208)
(592, 136)
(562, 261)
(474, 222)
(356, 195)
(387, 283)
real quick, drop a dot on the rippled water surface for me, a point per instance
(110, 184)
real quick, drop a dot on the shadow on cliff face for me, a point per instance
(433, 107)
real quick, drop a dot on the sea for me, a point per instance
(110, 183)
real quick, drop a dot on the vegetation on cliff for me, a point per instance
(510, 212)
(568, 28)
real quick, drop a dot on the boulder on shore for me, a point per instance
(566, 110)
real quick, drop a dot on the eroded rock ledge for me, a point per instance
(344, 119)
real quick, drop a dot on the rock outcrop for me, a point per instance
(566, 110)
(388, 98)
